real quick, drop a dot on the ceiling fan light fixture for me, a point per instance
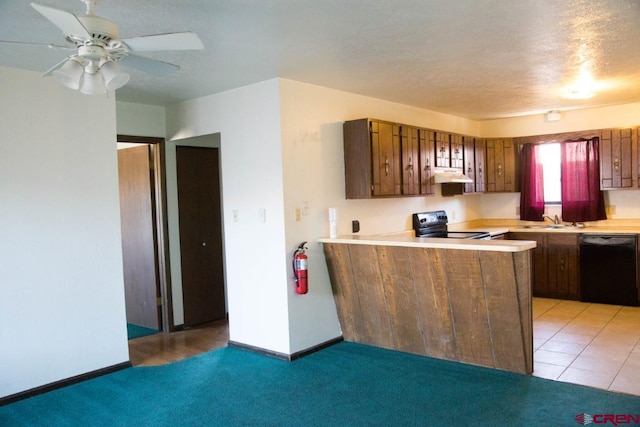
(114, 77)
(70, 74)
(93, 84)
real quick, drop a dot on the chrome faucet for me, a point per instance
(555, 219)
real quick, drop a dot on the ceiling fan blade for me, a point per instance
(66, 21)
(55, 67)
(48, 45)
(151, 66)
(160, 42)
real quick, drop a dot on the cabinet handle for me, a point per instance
(562, 264)
(410, 166)
(480, 168)
(616, 163)
(499, 169)
(469, 170)
(386, 165)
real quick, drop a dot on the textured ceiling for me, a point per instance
(479, 59)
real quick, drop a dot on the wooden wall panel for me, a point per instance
(462, 305)
(468, 306)
(400, 294)
(522, 262)
(503, 310)
(344, 290)
(375, 328)
(433, 303)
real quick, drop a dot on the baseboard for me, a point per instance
(284, 356)
(62, 383)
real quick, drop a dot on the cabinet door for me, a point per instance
(480, 146)
(427, 154)
(456, 152)
(385, 152)
(442, 145)
(616, 158)
(410, 160)
(469, 163)
(358, 136)
(563, 266)
(495, 179)
(502, 171)
(510, 165)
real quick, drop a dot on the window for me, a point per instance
(541, 167)
(550, 159)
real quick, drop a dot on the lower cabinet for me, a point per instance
(555, 264)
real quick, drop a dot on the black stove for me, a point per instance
(434, 224)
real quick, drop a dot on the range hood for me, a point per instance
(447, 175)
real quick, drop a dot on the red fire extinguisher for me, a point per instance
(300, 269)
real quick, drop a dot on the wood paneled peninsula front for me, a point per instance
(463, 300)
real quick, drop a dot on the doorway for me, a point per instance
(144, 230)
(200, 224)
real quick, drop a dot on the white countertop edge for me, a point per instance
(434, 242)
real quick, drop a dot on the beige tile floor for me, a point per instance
(596, 345)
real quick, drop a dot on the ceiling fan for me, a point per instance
(94, 68)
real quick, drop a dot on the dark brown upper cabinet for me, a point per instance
(616, 148)
(502, 165)
(372, 157)
(427, 161)
(456, 152)
(474, 155)
(410, 147)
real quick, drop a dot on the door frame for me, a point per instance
(161, 225)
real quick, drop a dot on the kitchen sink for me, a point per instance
(552, 226)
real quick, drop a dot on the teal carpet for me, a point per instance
(135, 331)
(344, 385)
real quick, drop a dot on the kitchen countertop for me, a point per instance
(567, 229)
(407, 239)
(434, 242)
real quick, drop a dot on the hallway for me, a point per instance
(163, 348)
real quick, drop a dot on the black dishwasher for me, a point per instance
(608, 269)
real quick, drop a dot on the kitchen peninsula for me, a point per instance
(462, 300)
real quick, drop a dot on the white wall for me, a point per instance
(62, 309)
(248, 121)
(140, 119)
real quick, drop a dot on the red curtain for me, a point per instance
(531, 184)
(582, 199)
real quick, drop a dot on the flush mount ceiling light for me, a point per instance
(94, 68)
(584, 86)
(553, 116)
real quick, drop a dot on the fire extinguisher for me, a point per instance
(300, 269)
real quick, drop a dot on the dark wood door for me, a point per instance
(200, 234)
(139, 237)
